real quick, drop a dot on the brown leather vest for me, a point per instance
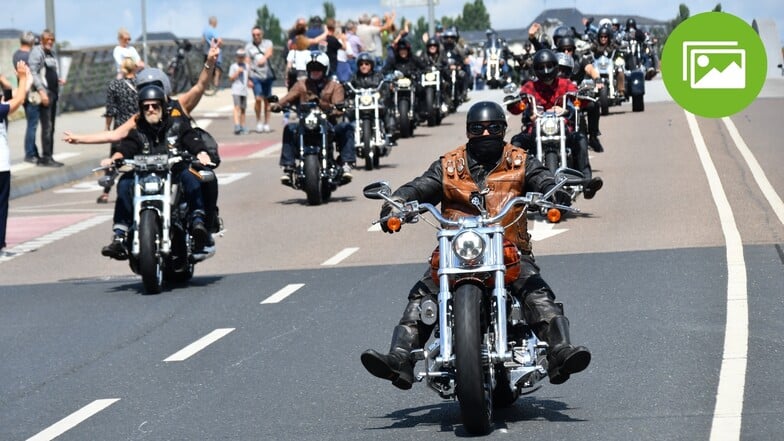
(504, 182)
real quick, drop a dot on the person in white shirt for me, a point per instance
(124, 50)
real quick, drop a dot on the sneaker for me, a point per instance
(103, 198)
(237, 130)
(285, 178)
(199, 234)
(49, 162)
(260, 128)
(267, 128)
(116, 249)
(31, 159)
(591, 187)
(347, 176)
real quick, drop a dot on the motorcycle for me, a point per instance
(484, 353)
(372, 141)
(609, 67)
(494, 76)
(161, 247)
(635, 73)
(404, 94)
(455, 96)
(315, 171)
(551, 131)
(430, 80)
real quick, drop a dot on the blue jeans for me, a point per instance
(344, 139)
(123, 208)
(32, 115)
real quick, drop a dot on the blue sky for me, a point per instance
(95, 22)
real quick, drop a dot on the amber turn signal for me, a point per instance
(393, 223)
(554, 215)
(577, 103)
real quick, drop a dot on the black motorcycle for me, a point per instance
(370, 135)
(404, 94)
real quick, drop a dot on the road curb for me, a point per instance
(25, 183)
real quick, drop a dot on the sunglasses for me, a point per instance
(568, 49)
(153, 106)
(493, 129)
(256, 35)
(363, 63)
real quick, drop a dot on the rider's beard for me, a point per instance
(153, 118)
(486, 150)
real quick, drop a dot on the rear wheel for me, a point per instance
(313, 180)
(150, 261)
(367, 135)
(474, 391)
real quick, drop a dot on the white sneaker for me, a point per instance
(259, 128)
(267, 128)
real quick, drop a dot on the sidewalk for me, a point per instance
(79, 159)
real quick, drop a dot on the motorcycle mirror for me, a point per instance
(399, 74)
(376, 189)
(510, 88)
(272, 98)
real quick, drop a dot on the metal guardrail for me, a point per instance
(91, 69)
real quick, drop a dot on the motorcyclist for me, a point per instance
(583, 67)
(605, 46)
(432, 57)
(549, 90)
(453, 50)
(633, 33)
(486, 162)
(404, 61)
(317, 86)
(368, 78)
(492, 41)
(156, 133)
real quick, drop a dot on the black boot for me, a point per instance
(563, 359)
(593, 142)
(396, 366)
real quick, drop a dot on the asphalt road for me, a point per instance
(643, 273)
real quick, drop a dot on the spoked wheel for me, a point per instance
(367, 135)
(474, 388)
(150, 260)
(313, 180)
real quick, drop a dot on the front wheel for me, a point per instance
(604, 101)
(551, 161)
(474, 391)
(367, 135)
(150, 261)
(405, 122)
(313, 180)
(430, 105)
(638, 103)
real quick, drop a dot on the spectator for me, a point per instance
(124, 50)
(333, 45)
(121, 105)
(238, 75)
(46, 81)
(343, 69)
(6, 108)
(32, 112)
(354, 45)
(369, 33)
(315, 28)
(209, 35)
(259, 52)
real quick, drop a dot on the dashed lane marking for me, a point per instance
(339, 257)
(39, 242)
(283, 293)
(188, 351)
(73, 420)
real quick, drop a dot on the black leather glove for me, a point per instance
(562, 198)
(386, 210)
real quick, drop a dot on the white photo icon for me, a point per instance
(714, 65)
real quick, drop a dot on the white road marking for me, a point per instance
(375, 227)
(267, 152)
(544, 230)
(337, 258)
(762, 180)
(188, 351)
(54, 236)
(73, 419)
(728, 412)
(283, 293)
(228, 178)
(58, 157)
(82, 187)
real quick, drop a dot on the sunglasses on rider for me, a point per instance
(153, 106)
(363, 63)
(494, 129)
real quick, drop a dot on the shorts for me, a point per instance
(240, 101)
(261, 87)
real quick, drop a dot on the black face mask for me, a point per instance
(486, 150)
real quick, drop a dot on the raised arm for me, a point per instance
(188, 100)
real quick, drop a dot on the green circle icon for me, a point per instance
(713, 64)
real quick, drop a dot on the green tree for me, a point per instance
(475, 17)
(329, 10)
(271, 26)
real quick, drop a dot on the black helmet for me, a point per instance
(431, 42)
(151, 93)
(545, 64)
(631, 23)
(560, 32)
(566, 43)
(604, 31)
(486, 111)
(367, 58)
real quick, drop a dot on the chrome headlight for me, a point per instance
(311, 121)
(549, 126)
(366, 100)
(404, 83)
(604, 63)
(468, 246)
(151, 184)
(430, 76)
(619, 62)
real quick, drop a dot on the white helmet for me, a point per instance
(318, 61)
(605, 22)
